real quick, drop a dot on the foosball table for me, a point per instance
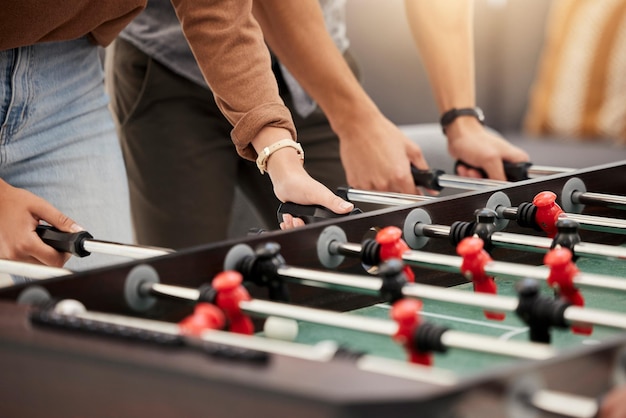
(506, 301)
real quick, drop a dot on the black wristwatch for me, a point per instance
(448, 117)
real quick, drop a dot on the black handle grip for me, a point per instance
(68, 242)
(310, 213)
(427, 178)
(513, 171)
(343, 191)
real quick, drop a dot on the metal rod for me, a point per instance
(441, 262)
(385, 198)
(123, 250)
(445, 180)
(313, 353)
(535, 171)
(521, 242)
(452, 264)
(540, 244)
(511, 270)
(600, 199)
(469, 183)
(432, 231)
(550, 401)
(587, 222)
(318, 316)
(480, 300)
(322, 352)
(506, 213)
(30, 270)
(492, 345)
(347, 249)
(328, 280)
(576, 314)
(221, 337)
(371, 286)
(597, 223)
(587, 249)
(176, 292)
(389, 328)
(528, 242)
(450, 338)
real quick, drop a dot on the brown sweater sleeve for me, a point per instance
(27, 22)
(228, 45)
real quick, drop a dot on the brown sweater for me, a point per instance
(223, 35)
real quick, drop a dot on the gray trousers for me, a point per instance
(182, 166)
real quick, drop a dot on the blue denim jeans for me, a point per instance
(58, 139)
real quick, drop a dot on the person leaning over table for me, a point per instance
(154, 78)
(58, 138)
(165, 112)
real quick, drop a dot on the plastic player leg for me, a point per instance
(136, 299)
(475, 258)
(499, 200)
(392, 246)
(327, 237)
(411, 228)
(282, 329)
(236, 254)
(561, 278)
(405, 313)
(567, 203)
(230, 293)
(205, 317)
(548, 212)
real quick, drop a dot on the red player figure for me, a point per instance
(393, 246)
(205, 316)
(406, 314)
(475, 258)
(547, 212)
(562, 273)
(229, 293)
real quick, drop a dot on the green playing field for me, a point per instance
(471, 320)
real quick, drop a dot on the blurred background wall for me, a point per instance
(508, 34)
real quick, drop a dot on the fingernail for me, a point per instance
(76, 228)
(346, 205)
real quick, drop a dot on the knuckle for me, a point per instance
(20, 247)
(63, 219)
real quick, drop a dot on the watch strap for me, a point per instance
(264, 155)
(450, 116)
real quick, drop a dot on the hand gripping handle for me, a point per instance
(513, 171)
(310, 213)
(427, 178)
(68, 242)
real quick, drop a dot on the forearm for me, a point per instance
(228, 45)
(296, 33)
(443, 33)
